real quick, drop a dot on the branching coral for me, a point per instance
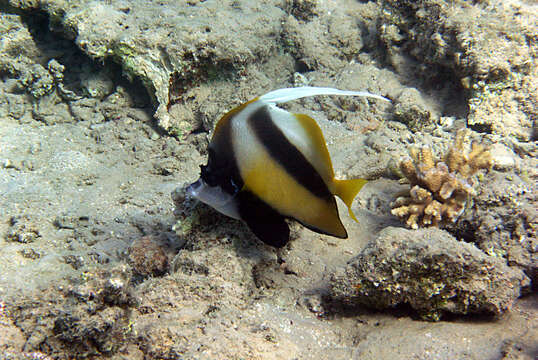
(440, 189)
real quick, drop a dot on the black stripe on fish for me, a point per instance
(221, 169)
(265, 222)
(286, 154)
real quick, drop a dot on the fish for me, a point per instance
(266, 165)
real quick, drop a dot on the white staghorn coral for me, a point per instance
(440, 189)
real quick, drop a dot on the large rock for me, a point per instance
(486, 48)
(503, 220)
(198, 59)
(429, 270)
(169, 45)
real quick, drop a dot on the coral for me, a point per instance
(440, 189)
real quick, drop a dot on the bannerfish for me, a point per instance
(266, 165)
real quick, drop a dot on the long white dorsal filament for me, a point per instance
(284, 95)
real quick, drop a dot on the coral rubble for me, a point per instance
(440, 189)
(88, 318)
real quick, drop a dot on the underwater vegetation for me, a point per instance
(439, 188)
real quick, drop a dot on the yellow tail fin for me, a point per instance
(347, 190)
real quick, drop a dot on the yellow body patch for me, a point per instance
(271, 183)
(319, 158)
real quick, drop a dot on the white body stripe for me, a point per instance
(245, 145)
(244, 141)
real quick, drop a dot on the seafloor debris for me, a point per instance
(440, 189)
(22, 230)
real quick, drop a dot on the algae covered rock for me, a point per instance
(413, 110)
(148, 257)
(169, 46)
(486, 48)
(88, 318)
(429, 270)
(503, 221)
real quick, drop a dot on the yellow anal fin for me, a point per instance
(347, 190)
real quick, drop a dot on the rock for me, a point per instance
(97, 85)
(503, 158)
(522, 348)
(12, 337)
(147, 257)
(90, 317)
(106, 287)
(85, 110)
(215, 263)
(188, 41)
(502, 221)
(99, 333)
(463, 41)
(430, 271)
(225, 295)
(51, 110)
(16, 106)
(37, 81)
(411, 109)
(16, 40)
(23, 230)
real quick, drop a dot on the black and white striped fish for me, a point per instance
(266, 164)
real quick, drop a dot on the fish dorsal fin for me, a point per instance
(347, 190)
(288, 94)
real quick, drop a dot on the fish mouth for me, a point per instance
(213, 196)
(194, 189)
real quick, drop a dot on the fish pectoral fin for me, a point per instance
(347, 190)
(272, 231)
(265, 222)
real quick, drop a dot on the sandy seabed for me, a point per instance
(106, 109)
